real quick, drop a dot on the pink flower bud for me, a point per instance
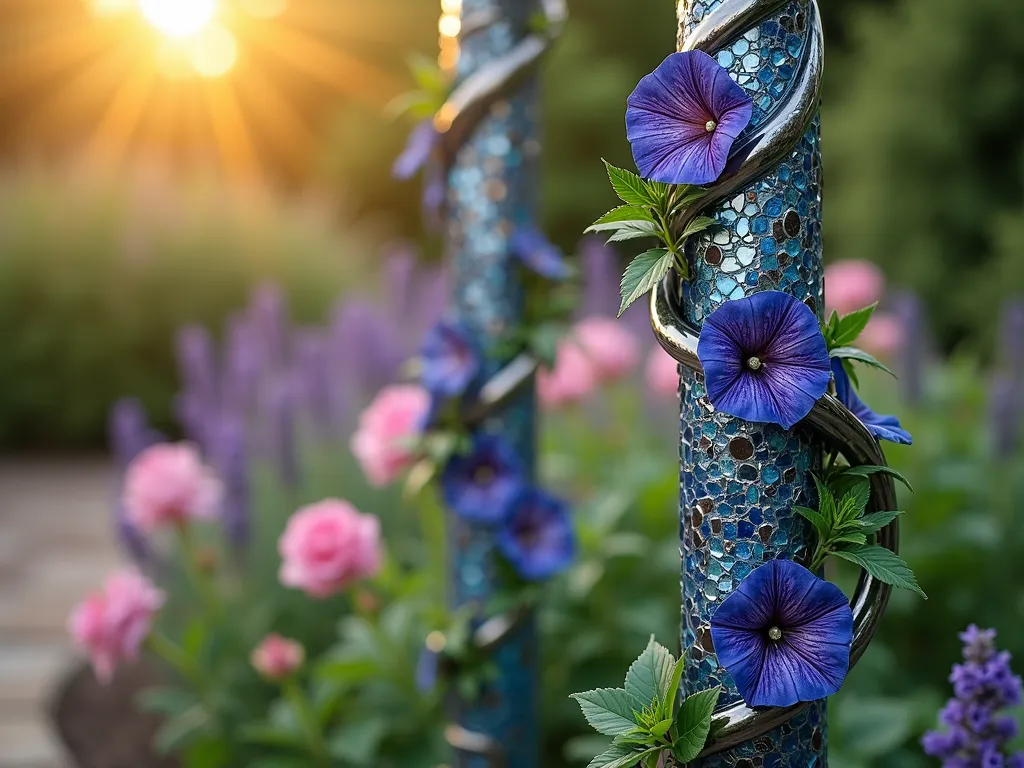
(572, 379)
(662, 373)
(612, 349)
(851, 285)
(277, 657)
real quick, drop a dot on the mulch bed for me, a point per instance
(99, 724)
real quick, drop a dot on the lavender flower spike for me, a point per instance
(682, 119)
(983, 685)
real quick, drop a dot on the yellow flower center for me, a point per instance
(775, 634)
(754, 363)
(710, 126)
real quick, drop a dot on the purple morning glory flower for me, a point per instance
(882, 427)
(482, 485)
(537, 538)
(450, 360)
(784, 635)
(682, 119)
(418, 148)
(764, 358)
(534, 250)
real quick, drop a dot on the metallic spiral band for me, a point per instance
(469, 105)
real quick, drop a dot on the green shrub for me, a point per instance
(96, 277)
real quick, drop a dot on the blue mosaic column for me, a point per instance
(739, 481)
(492, 191)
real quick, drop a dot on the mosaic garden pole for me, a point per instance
(489, 136)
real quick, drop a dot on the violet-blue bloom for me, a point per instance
(418, 148)
(482, 485)
(983, 685)
(784, 635)
(538, 538)
(535, 251)
(882, 427)
(682, 119)
(450, 359)
(764, 358)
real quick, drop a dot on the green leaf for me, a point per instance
(866, 470)
(272, 735)
(693, 723)
(608, 710)
(857, 498)
(876, 521)
(166, 701)
(852, 353)
(643, 274)
(698, 225)
(620, 756)
(358, 742)
(826, 501)
(633, 230)
(850, 326)
(178, 732)
(821, 525)
(884, 565)
(687, 194)
(660, 729)
(624, 213)
(673, 688)
(649, 677)
(629, 187)
(849, 538)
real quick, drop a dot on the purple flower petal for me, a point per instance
(882, 427)
(682, 119)
(482, 486)
(534, 250)
(450, 360)
(537, 538)
(764, 358)
(418, 148)
(809, 658)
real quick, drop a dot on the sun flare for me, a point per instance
(178, 18)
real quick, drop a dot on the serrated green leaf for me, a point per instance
(650, 676)
(866, 470)
(698, 225)
(660, 729)
(608, 710)
(687, 194)
(620, 756)
(659, 190)
(821, 525)
(826, 502)
(673, 689)
(624, 213)
(849, 538)
(876, 521)
(833, 326)
(633, 231)
(851, 325)
(852, 353)
(693, 723)
(884, 565)
(858, 497)
(629, 187)
(643, 274)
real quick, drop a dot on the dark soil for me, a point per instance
(100, 725)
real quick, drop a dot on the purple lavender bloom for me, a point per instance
(427, 667)
(784, 635)
(197, 365)
(364, 349)
(602, 271)
(482, 485)
(281, 415)
(882, 427)
(536, 252)
(1011, 340)
(983, 685)
(682, 119)
(129, 435)
(914, 349)
(313, 376)
(231, 457)
(269, 312)
(243, 364)
(538, 538)
(764, 358)
(450, 358)
(418, 149)
(1004, 415)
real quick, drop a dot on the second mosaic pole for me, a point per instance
(739, 481)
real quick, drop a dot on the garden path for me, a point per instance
(55, 544)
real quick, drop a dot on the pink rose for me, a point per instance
(277, 657)
(386, 427)
(168, 484)
(111, 624)
(611, 348)
(327, 545)
(572, 379)
(883, 335)
(662, 373)
(851, 285)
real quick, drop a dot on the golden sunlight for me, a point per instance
(178, 18)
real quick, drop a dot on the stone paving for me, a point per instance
(55, 544)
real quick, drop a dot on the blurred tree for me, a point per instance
(923, 151)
